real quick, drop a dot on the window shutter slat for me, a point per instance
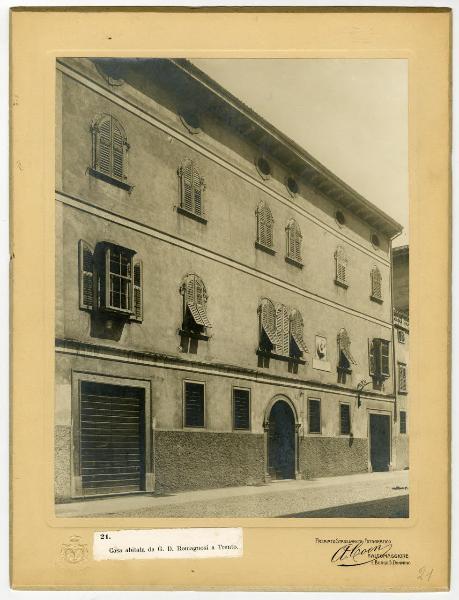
(296, 326)
(86, 270)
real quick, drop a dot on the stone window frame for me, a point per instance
(186, 427)
(238, 429)
(294, 241)
(191, 188)
(313, 399)
(78, 376)
(349, 433)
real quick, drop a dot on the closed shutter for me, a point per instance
(194, 404)
(261, 217)
(241, 408)
(345, 419)
(112, 438)
(197, 191)
(291, 242)
(402, 421)
(137, 303)
(86, 270)
(104, 146)
(376, 290)
(314, 416)
(191, 188)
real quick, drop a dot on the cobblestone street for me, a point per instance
(361, 495)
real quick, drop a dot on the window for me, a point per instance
(294, 239)
(345, 419)
(375, 241)
(292, 186)
(241, 408)
(109, 151)
(281, 330)
(340, 218)
(314, 421)
(378, 352)
(110, 279)
(402, 421)
(341, 267)
(194, 404)
(263, 167)
(265, 223)
(195, 319)
(401, 336)
(402, 378)
(345, 358)
(376, 288)
(192, 188)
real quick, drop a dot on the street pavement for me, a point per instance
(360, 495)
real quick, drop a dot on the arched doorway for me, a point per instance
(281, 451)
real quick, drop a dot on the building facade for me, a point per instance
(223, 302)
(400, 265)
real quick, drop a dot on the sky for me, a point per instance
(350, 114)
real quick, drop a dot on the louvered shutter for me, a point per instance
(345, 419)
(194, 404)
(371, 357)
(297, 238)
(314, 416)
(344, 345)
(187, 186)
(197, 192)
(290, 242)
(118, 151)
(201, 301)
(241, 408)
(261, 216)
(384, 346)
(104, 146)
(282, 330)
(86, 269)
(196, 300)
(296, 326)
(268, 227)
(376, 283)
(268, 321)
(137, 291)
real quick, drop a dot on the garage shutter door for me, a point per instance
(112, 454)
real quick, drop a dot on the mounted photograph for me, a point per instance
(232, 288)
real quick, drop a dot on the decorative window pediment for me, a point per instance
(192, 188)
(109, 151)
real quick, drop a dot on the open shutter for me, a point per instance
(104, 146)
(86, 270)
(197, 192)
(384, 346)
(137, 292)
(268, 320)
(282, 329)
(371, 357)
(296, 329)
(297, 238)
(196, 301)
(201, 302)
(118, 151)
(186, 173)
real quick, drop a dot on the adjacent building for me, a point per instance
(224, 308)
